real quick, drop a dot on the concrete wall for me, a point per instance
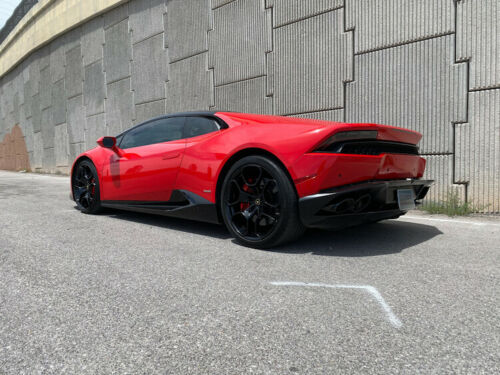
(427, 65)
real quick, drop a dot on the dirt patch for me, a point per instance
(13, 152)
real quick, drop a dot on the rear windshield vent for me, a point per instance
(371, 147)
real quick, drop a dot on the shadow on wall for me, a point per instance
(13, 152)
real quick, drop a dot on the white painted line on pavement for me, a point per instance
(393, 319)
(448, 220)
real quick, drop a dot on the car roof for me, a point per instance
(182, 114)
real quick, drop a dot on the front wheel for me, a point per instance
(85, 185)
(259, 203)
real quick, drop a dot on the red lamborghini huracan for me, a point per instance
(266, 177)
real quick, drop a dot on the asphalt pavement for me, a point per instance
(130, 293)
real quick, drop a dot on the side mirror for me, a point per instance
(110, 142)
(107, 142)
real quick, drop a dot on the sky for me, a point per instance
(6, 9)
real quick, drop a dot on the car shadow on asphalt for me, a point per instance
(386, 237)
(190, 226)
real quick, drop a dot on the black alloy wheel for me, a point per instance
(259, 203)
(85, 185)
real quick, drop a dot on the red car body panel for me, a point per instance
(327, 170)
(146, 173)
(151, 173)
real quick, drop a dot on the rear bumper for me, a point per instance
(326, 170)
(358, 203)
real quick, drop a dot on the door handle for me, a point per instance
(170, 156)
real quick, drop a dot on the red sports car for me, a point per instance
(267, 178)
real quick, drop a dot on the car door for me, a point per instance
(149, 162)
(199, 163)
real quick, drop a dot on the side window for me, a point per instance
(158, 131)
(199, 125)
(119, 140)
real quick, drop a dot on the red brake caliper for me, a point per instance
(244, 206)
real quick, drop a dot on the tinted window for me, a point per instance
(119, 139)
(199, 125)
(157, 131)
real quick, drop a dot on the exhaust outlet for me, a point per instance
(342, 206)
(362, 202)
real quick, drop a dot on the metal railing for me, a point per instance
(17, 16)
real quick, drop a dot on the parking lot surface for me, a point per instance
(133, 293)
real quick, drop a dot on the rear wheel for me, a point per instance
(85, 185)
(259, 204)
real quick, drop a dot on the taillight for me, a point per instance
(347, 136)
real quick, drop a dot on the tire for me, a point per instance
(85, 186)
(259, 204)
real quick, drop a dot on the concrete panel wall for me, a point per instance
(415, 85)
(146, 18)
(193, 93)
(94, 88)
(478, 41)
(238, 43)
(92, 41)
(288, 11)
(187, 23)
(119, 104)
(384, 23)
(117, 52)
(149, 69)
(313, 57)
(244, 96)
(61, 147)
(440, 169)
(477, 162)
(428, 65)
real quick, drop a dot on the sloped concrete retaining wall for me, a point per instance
(427, 65)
